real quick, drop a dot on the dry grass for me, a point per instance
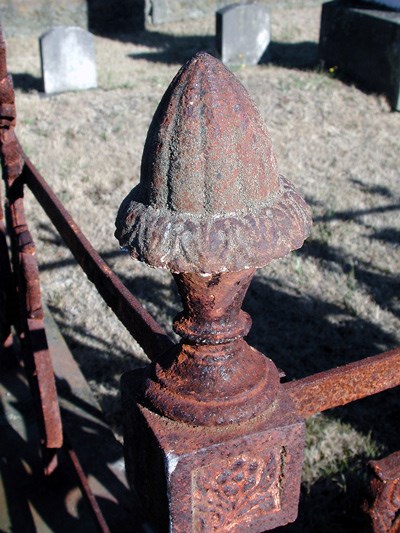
(333, 302)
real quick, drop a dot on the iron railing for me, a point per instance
(255, 423)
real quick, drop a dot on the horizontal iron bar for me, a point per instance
(141, 325)
(346, 383)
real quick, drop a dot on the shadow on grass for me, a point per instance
(333, 505)
(301, 55)
(172, 49)
(33, 502)
(26, 82)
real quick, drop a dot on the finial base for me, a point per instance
(213, 377)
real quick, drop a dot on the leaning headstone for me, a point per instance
(242, 33)
(68, 60)
(363, 44)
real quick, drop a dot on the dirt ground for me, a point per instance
(334, 301)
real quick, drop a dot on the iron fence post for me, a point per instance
(212, 443)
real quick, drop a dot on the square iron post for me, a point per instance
(243, 477)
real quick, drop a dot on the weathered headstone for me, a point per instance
(242, 33)
(68, 60)
(363, 44)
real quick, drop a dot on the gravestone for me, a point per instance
(363, 44)
(242, 33)
(68, 60)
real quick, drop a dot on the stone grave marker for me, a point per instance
(68, 60)
(242, 33)
(363, 44)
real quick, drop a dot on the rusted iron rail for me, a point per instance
(28, 316)
(142, 326)
(227, 395)
(345, 384)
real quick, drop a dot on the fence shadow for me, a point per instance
(33, 502)
(25, 488)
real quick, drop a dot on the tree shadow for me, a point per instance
(171, 49)
(390, 235)
(379, 190)
(304, 335)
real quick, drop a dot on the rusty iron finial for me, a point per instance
(211, 207)
(210, 198)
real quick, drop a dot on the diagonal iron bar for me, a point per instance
(142, 326)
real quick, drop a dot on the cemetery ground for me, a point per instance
(334, 301)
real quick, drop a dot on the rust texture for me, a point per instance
(346, 383)
(29, 316)
(211, 207)
(385, 487)
(213, 377)
(238, 477)
(7, 295)
(210, 198)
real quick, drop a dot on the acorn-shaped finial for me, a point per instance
(210, 198)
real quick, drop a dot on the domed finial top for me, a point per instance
(210, 198)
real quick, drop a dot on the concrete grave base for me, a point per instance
(364, 45)
(243, 477)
